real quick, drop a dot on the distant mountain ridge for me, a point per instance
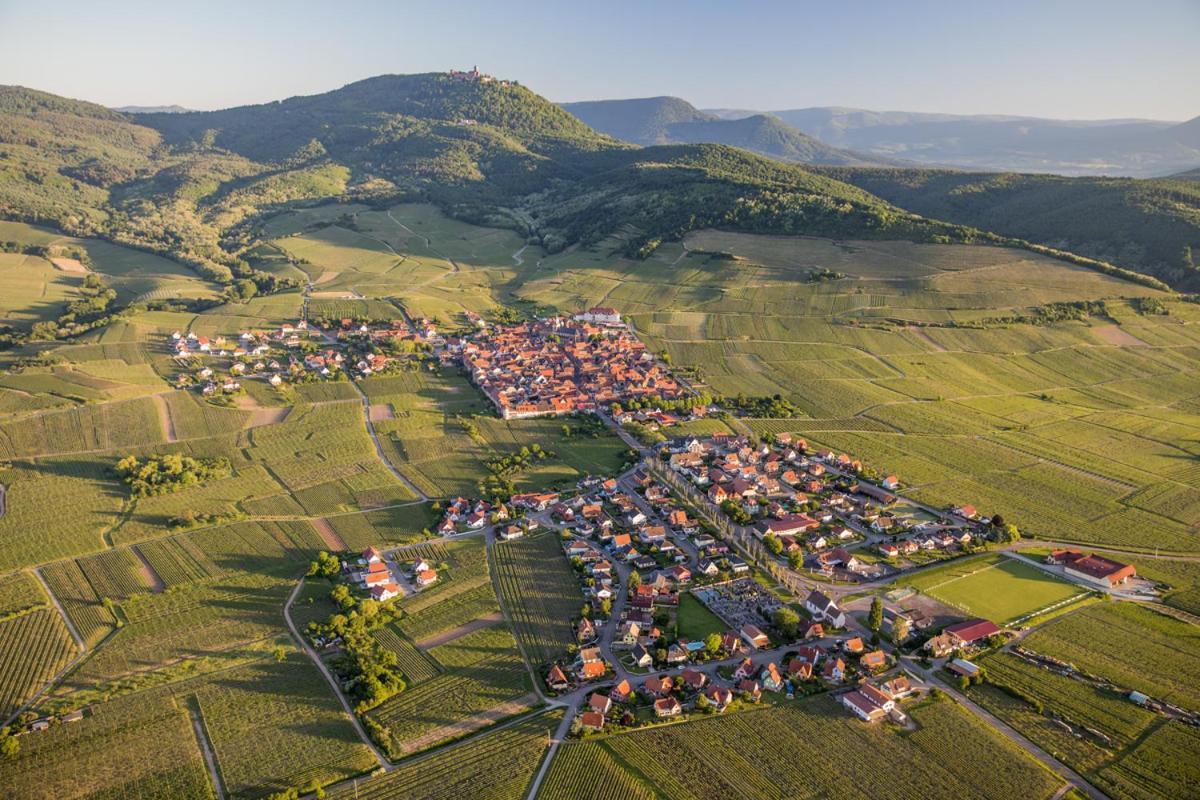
(1130, 147)
(174, 109)
(197, 186)
(672, 120)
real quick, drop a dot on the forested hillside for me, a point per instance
(196, 186)
(1152, 226)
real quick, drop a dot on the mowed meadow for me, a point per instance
(161, 616)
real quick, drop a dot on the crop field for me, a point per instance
(541, 592)
(1141, 755)
(414, 664)
(1142, 649)
(34, 290)
(275, 725)
(590, 771)
(1164, 764)
(142, 746)
(79, 600)
(995, 587)
(193, 621)
(498, 766)
(485, 681)
(33, 648)
(725, 757)
(19, 592)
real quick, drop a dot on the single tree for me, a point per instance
(875, 617)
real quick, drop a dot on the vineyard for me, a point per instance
(1142, 649)
(463, 592)
(1164, 764)
(19, 592)
(589, 771)
(498, 766)
(33, 648)
(414, 664)
(457, 701)
(542, 594)
(1077, 702)
(178, 561)
(114, 573)
(85, 608)
(725, 757)
(275, 725)
(142, 747)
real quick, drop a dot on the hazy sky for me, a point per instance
(1064, 58)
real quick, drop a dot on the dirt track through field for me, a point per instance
(164, 416)
(919, 332)
(259, 414)
(381, 411)
(469, 725)
(69, 265)
(332, 539)
(1116, 335)
(462, 630)
(152, 580)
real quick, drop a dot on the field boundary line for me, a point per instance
(37, 572)
(204, 740)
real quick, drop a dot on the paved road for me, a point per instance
(37, 573)
(202, 738)
(366, 404)
(1029, 747)
(560, 733)
(337, 690)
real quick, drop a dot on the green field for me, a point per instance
(695, 621)
(1124, 750)
(498, 766)
(1131, 646)
(541, 594)
(724, 756)
(995, 587)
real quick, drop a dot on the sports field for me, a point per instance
(995, 587)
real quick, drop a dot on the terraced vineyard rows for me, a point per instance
(725, 757)
(81, 603)
(276, 724)
(542, 594)
(498, 766)
(590, 772)
(33, 648)
(415, 665)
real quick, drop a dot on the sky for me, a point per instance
(1081, 59)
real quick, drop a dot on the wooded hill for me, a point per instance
(195, 185)
(1152, 226)
(672, 120)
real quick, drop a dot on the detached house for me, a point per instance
(822, 608)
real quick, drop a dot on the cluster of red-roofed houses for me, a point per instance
(373, 573)
(557, 366)
(813, 503)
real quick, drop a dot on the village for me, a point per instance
(555, 366)
(303, 352)
(677, 558)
